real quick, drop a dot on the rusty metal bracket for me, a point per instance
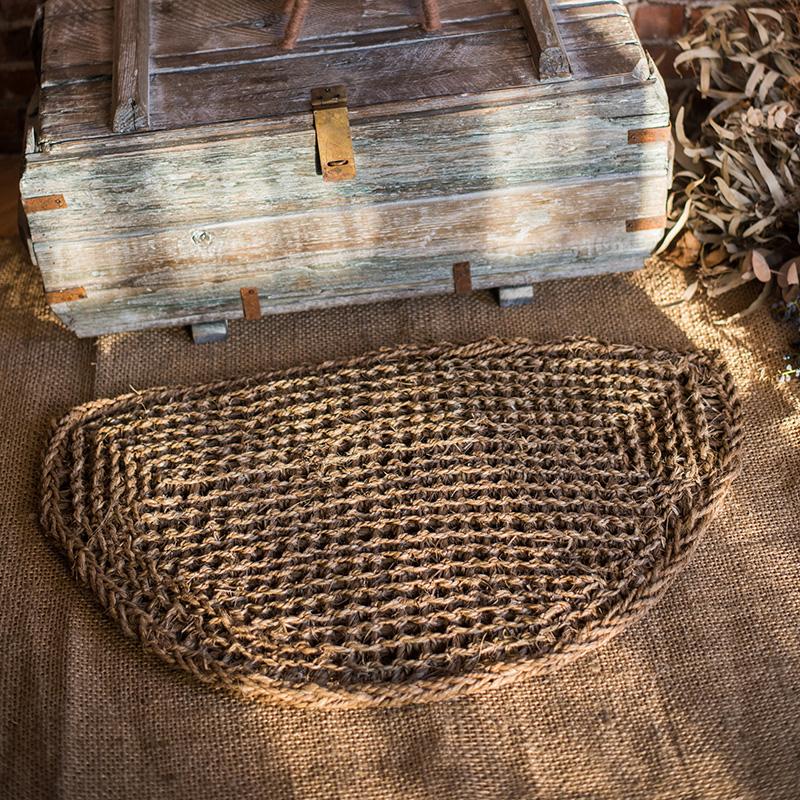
(649, 135)
(45, 202)
(646, 224)
(251, 304)
(65, 295)
(462, 278)
(332, 124)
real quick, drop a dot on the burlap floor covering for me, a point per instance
(701, 699)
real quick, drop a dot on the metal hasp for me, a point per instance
(332, 124)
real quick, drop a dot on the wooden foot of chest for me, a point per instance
(209, 332)
(509, 296)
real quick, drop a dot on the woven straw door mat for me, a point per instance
(406, 526)
(699, 698)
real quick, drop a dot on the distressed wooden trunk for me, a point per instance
(178, 155)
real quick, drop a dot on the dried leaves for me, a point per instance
(736, 197)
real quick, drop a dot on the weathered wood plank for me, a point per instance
(413, 158)
(441, 67)
(111, 312)
(606, 28)
(359, 48)
(130, 83)
(196, 26)
(321, 250)
(73, 114)
(444, 66)
(77, 44)
(635, 98)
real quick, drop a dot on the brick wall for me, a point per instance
(658, 23)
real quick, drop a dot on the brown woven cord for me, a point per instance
(400, 527)
(297, 10)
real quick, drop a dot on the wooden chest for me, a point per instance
(184, 166)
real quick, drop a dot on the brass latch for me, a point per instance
(334, 145)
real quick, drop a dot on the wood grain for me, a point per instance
(130, 84)
(332, 250)
(79, 36)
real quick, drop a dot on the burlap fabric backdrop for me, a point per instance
(700, 700)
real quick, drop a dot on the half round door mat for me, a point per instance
(402, 527)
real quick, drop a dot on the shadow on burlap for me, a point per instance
(699, 700)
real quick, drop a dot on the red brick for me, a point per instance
(659, 22)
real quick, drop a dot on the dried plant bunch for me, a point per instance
(736, 196)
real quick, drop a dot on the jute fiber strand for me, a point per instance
(698, 699)
(400, 527)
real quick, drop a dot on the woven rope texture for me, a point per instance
(401, 527)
